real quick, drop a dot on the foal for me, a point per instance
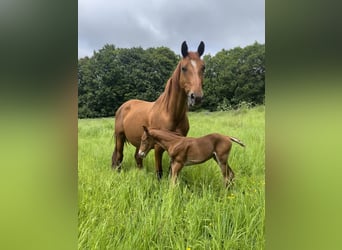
(190, 151)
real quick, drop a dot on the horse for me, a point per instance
(169, 111)
(184, 151)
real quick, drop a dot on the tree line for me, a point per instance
(113, 75)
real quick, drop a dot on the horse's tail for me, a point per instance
(237, 141)
(118, 126)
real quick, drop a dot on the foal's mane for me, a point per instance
(165, 134)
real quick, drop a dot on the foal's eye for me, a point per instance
(184, 69)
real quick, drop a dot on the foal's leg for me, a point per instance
(158, 157)
(170, 167)
(138, 159)
(175, 168)
(230, 176)
(227, 172)
(117, 156)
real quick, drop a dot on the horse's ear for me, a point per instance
(184, 49)
(200, 48)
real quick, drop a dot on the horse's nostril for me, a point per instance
(194, 99)
(198, 99)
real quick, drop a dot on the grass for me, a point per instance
(133, 210)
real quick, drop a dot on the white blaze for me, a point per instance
(193, 63)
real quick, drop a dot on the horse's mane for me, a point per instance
(164, 98)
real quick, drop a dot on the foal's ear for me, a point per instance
(200, 48)
(184, 49)
(145, 128)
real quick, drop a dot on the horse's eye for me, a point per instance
(203, 68)
(184, 69)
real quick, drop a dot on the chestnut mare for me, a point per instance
(168, 112)
(190, 151)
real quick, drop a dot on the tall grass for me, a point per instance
(133, 210)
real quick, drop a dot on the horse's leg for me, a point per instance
(175, 168)
(117, 156)
(158, 157)
(138, 159)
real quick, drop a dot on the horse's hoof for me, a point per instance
(159, 175)
(117, 168)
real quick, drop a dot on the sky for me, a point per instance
(220, 24)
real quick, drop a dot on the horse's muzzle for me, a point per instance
(194, 99)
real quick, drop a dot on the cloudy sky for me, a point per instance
(152, 23)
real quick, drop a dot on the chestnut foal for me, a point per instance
(185, 151)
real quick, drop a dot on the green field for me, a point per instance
(133, 210)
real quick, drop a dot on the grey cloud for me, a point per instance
(219, 23)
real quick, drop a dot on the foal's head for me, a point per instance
(146, 144)
(191, 75)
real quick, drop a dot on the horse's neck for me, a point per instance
(173, 99)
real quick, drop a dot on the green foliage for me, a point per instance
(224, 105)
(114, 75)
(133, 210)
(234, 76)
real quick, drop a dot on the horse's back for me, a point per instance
(131, 108)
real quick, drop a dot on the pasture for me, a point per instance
(133, 210)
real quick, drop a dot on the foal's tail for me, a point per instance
(237, 141)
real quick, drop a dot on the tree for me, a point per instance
(234, 76)
(112, 76)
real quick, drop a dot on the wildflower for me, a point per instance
(188, 248)
(231, 196)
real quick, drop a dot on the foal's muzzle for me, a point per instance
(194, 99)
(141, 154)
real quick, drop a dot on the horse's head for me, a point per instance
(191, 75)
(146, 144)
